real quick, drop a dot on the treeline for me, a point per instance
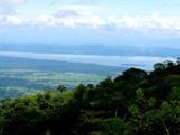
(134, 103)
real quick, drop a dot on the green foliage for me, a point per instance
(140, 94)
(61, 88)
(134, 103)
(110, 126)
(80, 92)
(175, 94)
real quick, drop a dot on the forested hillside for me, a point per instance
(134, 103)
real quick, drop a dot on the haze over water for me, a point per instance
(144, 62)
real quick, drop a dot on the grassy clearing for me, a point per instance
(20, 81)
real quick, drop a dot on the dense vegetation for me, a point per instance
(134, 103)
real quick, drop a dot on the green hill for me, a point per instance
(134, 103)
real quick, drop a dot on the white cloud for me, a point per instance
(10, 20)
(66, 13)
(7, 6)
(8, 14)
(88, 19)
(72, 19)
(86, 1)
(87, 16)
(12, 1)
(14, 20)
(79, 7)
(145, 23)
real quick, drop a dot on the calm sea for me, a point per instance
(145, 62)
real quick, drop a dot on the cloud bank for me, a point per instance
(84, 16)
(8, 6)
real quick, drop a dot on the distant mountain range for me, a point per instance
(150, 49)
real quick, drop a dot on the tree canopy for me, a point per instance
(135, 102)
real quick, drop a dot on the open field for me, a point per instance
(20, 76)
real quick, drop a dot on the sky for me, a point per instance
(88, 21)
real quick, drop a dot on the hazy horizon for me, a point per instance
(110, 28)
(107, 22)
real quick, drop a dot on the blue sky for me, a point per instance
(102, 21)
